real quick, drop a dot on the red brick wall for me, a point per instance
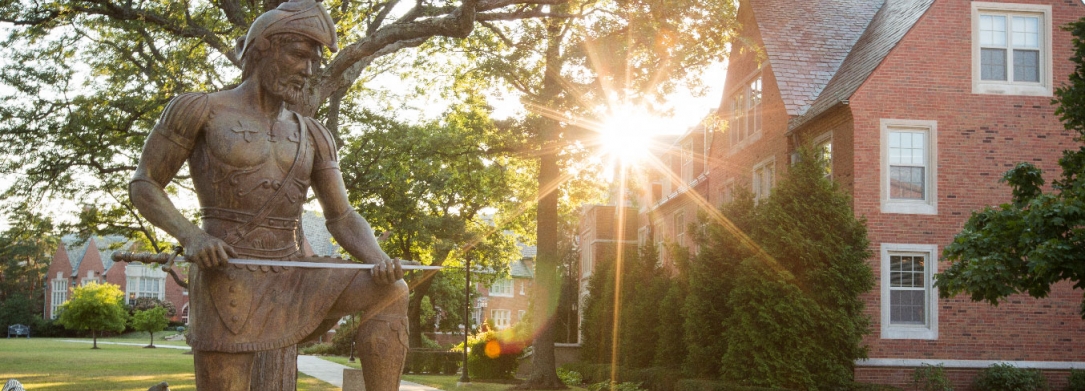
(928, 77)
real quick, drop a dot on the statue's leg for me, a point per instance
(382, 334)
(222, 371)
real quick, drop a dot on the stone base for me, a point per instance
(352, 380)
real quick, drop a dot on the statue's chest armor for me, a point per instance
(243, 141)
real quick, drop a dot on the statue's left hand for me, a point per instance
(387, 271)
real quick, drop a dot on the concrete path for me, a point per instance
(332, 373)
(317, 367)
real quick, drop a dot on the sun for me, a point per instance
(625, 136)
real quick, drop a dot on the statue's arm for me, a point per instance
(166, 149)
(348, 227)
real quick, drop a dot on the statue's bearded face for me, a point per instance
(285, 72)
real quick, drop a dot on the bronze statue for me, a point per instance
(252, 163)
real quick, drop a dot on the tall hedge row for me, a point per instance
(770, 299)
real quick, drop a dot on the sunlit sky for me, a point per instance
(685, 109)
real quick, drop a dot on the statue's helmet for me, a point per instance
(307, 18)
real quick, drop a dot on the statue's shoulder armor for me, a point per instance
(183, 118)
(324, 148)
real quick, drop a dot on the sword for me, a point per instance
(168, 259)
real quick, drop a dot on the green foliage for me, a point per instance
(95, 307)
(26, 248)
(344, 337)
(713, 385)
(20, 309)
(569, 377)
(797, 317)
(494, 354)
(151, 320)
(615, 386)
(1034, 241)
(1006, 377)
(931, 378)
(1076, 380)
(147, 303)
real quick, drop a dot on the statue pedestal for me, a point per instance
(352, 380)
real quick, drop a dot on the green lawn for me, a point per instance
(443, 382)
(46, 364)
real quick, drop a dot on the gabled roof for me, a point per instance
(522, 268)
(60, 263)
(106, 245)
(890, 24)
(316, 233)
(806, 41)
(92, 260)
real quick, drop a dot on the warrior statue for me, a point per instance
(252, 162)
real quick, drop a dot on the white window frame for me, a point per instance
(59, 294)
(520, 315)
(502, 288)
(502, 318)
(659, 243)
(687, 161)
(1009, 87)
(928, 331)
(825, 139)
(929, 204)
(746, 106)
(727, 191)
(760, 191)
(679, 221)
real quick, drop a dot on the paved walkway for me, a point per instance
(317, 367)
(331, 372)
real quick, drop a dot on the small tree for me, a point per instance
(151, 321)
(95, 307)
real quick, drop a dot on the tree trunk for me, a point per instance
(152, 341)
(414, 311)
(94, 335)
(544, 374)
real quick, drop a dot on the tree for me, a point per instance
(1037, 239)
(152, 320)
(567, 70)
(95, 307)
(26, 249)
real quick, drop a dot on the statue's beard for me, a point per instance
(289, 88)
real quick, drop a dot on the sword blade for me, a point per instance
(321, 265)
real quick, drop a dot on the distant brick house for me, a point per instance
(77, 263)
(505, 302)
(920, 106)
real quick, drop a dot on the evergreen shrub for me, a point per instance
(1006, 377)
(1076, 381)
(931, 378)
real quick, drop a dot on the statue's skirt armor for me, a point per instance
(233, 311)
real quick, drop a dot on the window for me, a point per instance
(658, 236)
(687, 161)
(643, 236)
(476, 316)
(823, 147)
(146, 287)
(502, 287)
(727, 192)
(1011, 49)
(59, 294)
(764, 176)
(909, 299)
(520, 315)
(184, 314)
(680, 228)
(909, 166)
(501, 318)
(746, 112)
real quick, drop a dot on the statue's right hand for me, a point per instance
(207, 251)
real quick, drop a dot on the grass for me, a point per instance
(46, 364)
(443, 382)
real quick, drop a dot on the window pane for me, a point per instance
(992, 30)
(906, 183)
(1026, 65)
(1026, 32)
(907, 307)
(993, 64)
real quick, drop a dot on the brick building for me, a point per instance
(78, 262)
(921, 106)
(506, 300)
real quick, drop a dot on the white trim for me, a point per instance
(822, 139)
(929, 204)
(1043, 87)
(755, 182)
(494, 292)
(925, 331)
(915, 363)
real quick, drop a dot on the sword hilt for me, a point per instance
(128, 256)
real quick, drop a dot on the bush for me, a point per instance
(931, 378)
(319, 349)
(434, 362)
(344, 337)
(1006, 377)
(570, 378)
(494, 354)
(1077, 381)
(613, 386)
(714, 385)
